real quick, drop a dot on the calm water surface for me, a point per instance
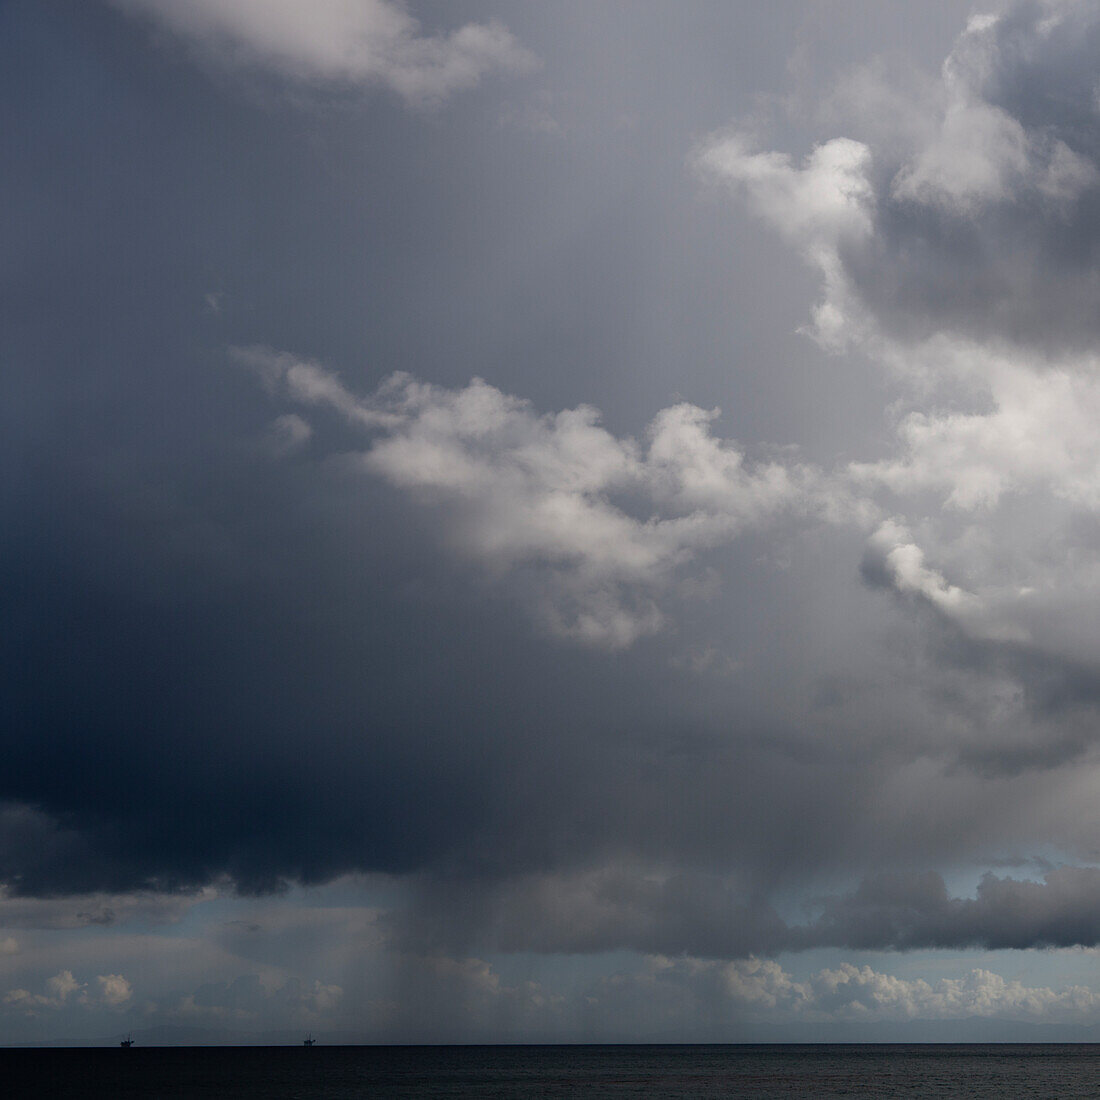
(655, 1072)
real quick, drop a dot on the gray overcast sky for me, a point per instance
(550, 521)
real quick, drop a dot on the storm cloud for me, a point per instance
(620, 504)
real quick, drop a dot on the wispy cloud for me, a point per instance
(341, 43)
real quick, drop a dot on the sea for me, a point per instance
(1004, 1071)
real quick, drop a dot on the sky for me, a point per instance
(574, 521)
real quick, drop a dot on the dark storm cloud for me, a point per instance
(196, 678)
(227, 652)
(218, 664)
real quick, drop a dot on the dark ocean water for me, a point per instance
(655, 1072)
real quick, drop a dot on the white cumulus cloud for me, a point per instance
(598, 524)
(760, 990)
(958, 250)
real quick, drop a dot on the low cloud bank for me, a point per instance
(705, 916)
